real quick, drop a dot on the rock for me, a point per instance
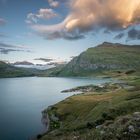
(76, 137)
(136, 116)
(54, 118)
(131, 128)
(98, 126)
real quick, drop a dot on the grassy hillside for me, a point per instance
(110, 115)
(7, 70)
(51, 72)
(106, 56)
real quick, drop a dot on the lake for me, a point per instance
(23, 99)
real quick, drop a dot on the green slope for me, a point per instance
(110, 115)
(7, 70)
(51, 72)
(106, 56)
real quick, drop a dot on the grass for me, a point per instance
(106, 56)
(10, 71)
(79, 115)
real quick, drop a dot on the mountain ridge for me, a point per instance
(7, 70)
(23, 63)
(106, 56)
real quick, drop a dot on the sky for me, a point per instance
(61, 29)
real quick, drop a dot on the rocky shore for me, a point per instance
(108, 87)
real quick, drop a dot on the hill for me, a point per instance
(108, 112)
(107, 56)
(52, 71)
(96, 60)
(8, 70)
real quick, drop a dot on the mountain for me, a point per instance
(107, 56)
(26, 64)
(104, 57)
(23, 63)
(51, 71)
(8, 70)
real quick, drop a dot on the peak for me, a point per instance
(109, 44)
(112, 44)
(4, 62)
(23, 63)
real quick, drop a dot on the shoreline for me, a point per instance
(45, 120)
(106, 101)
(100, 93)
(46, 116)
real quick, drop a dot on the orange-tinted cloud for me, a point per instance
(42, 14)
(87, 15)
(53, 3)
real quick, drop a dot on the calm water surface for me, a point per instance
(23, 99)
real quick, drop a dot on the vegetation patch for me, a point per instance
(99, 115)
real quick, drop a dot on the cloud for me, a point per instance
(52, 61)
(31, 18)
(119, 36)
(89, 15)
(53, 3)
(2, 35)
(44, 59)
(86, 15)
(42, 14)
(72, 57)
(7, 48)
(106, 31)
(7, 51)
(4, 45)
(58, 63)
(133, 34)
(56, 31)
(2, 21)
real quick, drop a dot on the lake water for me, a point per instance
(23, 99)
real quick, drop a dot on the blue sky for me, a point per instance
(57, 29)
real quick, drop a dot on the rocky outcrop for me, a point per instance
(108, 87)
(124, 128)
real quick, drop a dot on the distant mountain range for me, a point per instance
(26, 64)
(23, 63)
(8, 70)
(24, 69)
(104, 57)
(107, 56)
